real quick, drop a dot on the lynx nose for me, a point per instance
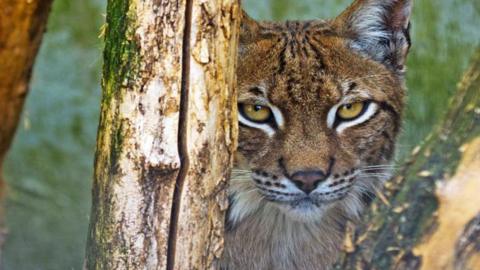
(308, 180)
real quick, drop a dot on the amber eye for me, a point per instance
(351, 110)
(255, 113)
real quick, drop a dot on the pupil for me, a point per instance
(348, 106)
(257, 108)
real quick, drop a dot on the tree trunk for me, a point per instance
(430, 215)
(22, 24)
(166, 136)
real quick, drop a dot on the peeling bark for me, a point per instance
(430, 217)
(22, 24)
(166, 135)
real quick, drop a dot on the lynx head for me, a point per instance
(320, 105)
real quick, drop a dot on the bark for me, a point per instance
(430, 214)
(22, 24)
(166, 134)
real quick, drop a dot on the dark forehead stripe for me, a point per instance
(293, 26)
(315, 49)
(274, 28)
(297, 53)
(293, 45)
(305, 50)
(298, 45)
(282, 58)
(306, 25)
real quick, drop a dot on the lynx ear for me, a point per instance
(378, 29)
(249, 29)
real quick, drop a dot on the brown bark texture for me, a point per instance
(429, 217)
(22, 24)
(166, 135)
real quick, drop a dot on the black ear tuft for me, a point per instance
(378, 29)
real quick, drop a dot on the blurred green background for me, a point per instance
(50, 166)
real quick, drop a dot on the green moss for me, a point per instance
(121, 61)
(120, 54)
(116, 147)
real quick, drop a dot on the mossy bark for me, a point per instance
(430, 216)
(166, 135)
(22, 24)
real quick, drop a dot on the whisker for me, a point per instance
(379, 166)
(367, 189)
(250, 191)
(240, 173)
(374, 176)
(240, 180)
(374, 172)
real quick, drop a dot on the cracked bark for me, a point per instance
(433, 220)
(166, 135)
(22, 24)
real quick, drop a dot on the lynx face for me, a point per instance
(320, 106)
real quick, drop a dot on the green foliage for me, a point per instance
(50, 167)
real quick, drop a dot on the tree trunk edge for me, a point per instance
(21, 31)
(138, 189)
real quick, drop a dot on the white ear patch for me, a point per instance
(369, 25)
(381, 30)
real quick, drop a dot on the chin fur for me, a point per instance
(268, 235)
(307, 213)
(301, 236)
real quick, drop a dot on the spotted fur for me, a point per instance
(304, 71)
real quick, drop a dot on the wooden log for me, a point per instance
(167, 134)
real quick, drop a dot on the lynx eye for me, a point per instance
(255, 112)
(351, 110)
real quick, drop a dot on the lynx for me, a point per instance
(320, 107)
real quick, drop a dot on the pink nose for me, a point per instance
(308, 180)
